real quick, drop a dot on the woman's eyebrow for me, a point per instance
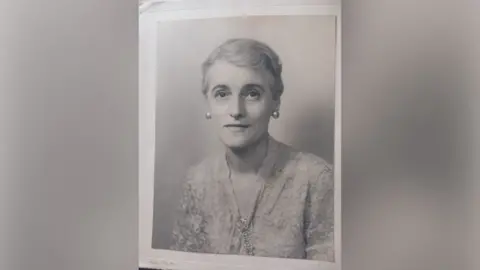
(219, 86)
(253, 85)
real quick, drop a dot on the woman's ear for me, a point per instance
(276, 104)
(207, 105)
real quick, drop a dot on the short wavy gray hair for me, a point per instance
(244, 52)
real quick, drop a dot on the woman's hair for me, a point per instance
(244, 52)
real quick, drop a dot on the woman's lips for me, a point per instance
(236, 127)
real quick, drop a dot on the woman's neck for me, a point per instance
(248, 160)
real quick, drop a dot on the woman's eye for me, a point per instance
(221, 94)
(253, 95)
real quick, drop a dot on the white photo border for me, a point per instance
(168, 259)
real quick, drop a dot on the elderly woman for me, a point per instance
(260, 197)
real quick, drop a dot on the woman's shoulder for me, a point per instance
(202, 172)
(313, 166)
(310, 160)
(305, 160)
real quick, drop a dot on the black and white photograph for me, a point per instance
(242, 139)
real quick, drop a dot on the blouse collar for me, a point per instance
(273, 166)
(273, 163)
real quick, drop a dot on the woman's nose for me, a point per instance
(236, 108)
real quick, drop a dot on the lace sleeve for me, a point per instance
(319, 217)
(188, 233)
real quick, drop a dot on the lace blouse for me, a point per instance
(294, 215)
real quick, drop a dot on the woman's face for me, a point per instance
(241, 103)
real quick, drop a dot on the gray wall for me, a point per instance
(68, 135)
(306, 45)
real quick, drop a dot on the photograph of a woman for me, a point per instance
(260, 196)
(240, 161)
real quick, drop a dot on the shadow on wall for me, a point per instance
(400, 151)
(319, 140)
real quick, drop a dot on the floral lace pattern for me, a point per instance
(295, 217)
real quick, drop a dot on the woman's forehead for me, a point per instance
(223, 72)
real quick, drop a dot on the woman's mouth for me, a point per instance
(236, 127)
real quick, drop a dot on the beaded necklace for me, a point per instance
(245, 224)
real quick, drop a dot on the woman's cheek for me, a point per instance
(257, 111)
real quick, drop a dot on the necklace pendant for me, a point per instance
(243, 221)
(243, 224)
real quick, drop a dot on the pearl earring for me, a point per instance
(276, 114)
(208, 115)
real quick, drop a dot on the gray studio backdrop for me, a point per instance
(306, 45)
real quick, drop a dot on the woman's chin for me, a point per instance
(237, 144)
